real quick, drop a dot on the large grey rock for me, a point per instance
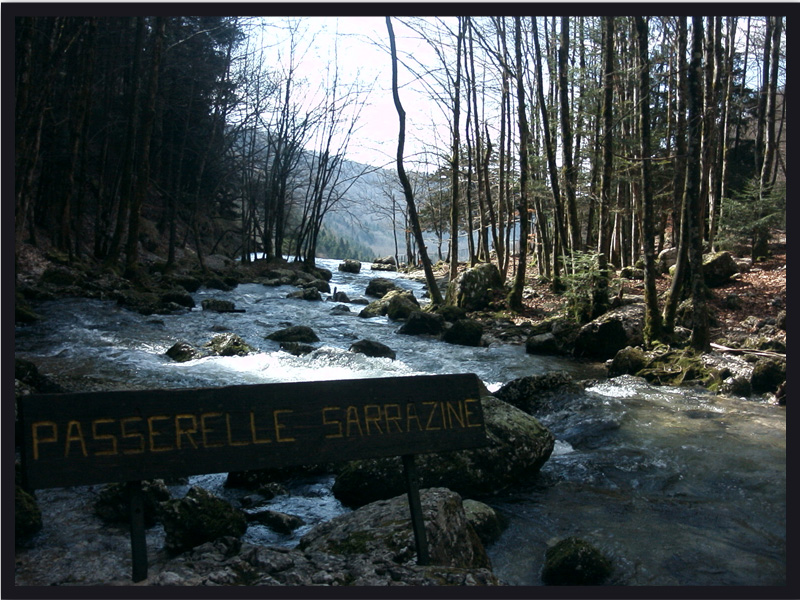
(485, 520)
(609, 333)
(295, 333)
(383, 529)
(718, 268)
(197, 518)
(475, 288)
(373, 349)
(464, 332)
(534, 393)
(183, 351)
(518, 446)
(573, 561)
(419, 322)
(379, 287)
(228, 344)
(350, 266)
(401, 305)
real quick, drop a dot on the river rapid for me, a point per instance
(677, 486)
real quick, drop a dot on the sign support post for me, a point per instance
(414, 503)
(138, 540)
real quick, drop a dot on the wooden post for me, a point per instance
(414, 503)
(138, 541)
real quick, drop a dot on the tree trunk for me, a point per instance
(604, 227)
(652, 322)
(700, 331)
(515, 296)
(433, 288)
(143, 170)
(454, 163)
(560, 230)
(680, 220)
(570, 174)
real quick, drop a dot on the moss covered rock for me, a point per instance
(475, 288)
(296, 333)
(27, 516)
(373, 349)
(400, 305)
(197, 518)
(113, 502)
(518, 446)
(383, 528)
(228, 344)
(573, 561)
(768, 374)
(464, 332)
(380, 286)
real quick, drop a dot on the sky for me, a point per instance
(363, 54)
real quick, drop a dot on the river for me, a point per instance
(677, 486)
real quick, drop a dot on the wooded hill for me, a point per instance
(622, 135)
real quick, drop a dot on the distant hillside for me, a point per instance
(363, 216)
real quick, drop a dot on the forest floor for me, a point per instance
(760, 292)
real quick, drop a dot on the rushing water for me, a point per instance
(677, 486)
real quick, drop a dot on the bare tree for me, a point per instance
(433, 288)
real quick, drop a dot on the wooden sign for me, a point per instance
(100, 437)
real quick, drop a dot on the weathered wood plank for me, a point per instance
(100, 437)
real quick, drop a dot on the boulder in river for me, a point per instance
(373, 349)
(533, 393)
(518, 446)
(27, 516)
(573, 561)
(350, 266)
(197, 518)
(307, 293)
(277, 521)
(228, 344)
(400, 305)
(216, 305)
(475, 288)
(464, 332)
(421, 322)
(183, 351)
(380, 286)
(609, 333)
(113, 502)
(383, 528)
(485, 520)
(295, 333)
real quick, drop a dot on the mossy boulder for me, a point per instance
(768, 374)
(197, 518)
(475, 288)
(27, 516)
(534, 393)
(373, 349)
(113, 502)
(401, 305)
(380, 286)
(350, 266)
(295, 333)
(464, 332)
(183, 351)
(609, 333)
(277, 521)
(452, 313)
(383, 528)
(486, 521)
(718, 268)
(518, 446)
(574, 561)
(421, 322)
(627, 361)
(228, 344)
(220, 306)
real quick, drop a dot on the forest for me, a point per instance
(599, 141)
